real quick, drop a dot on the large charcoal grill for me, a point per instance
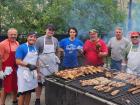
(63, 94)
(61, 91)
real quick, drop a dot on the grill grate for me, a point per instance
(107, 96)
(66, 81)
(122, 98)
(128, 99)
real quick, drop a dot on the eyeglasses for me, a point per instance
(134, 36)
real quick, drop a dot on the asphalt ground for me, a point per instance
(33, 98)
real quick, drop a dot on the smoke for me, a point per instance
(136, 15)
(132, 20)
(81, 16)
(88, 14)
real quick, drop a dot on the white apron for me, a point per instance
(49, 58)
(133, 65)
(27, 80)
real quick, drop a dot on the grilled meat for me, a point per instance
(136, 91)
(76, 72)
(115, 92)
(134, 88)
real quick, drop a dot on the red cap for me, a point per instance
(135, 33)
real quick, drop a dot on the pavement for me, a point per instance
(33, 98)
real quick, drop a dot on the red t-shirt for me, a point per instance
(91, 50)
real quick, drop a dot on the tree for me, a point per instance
(21, 14)
(27, 15)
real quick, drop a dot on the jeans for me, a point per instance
(116, 65)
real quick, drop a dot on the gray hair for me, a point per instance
(119, 28)
(11, 29)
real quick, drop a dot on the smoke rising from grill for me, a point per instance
(87, 14)
(136, 15)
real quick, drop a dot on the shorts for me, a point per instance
(22, 93)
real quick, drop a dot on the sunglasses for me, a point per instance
(134, 36)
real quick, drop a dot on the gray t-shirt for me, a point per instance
(118, 47)
(48, 40)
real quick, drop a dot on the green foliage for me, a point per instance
(28, 15)
(22, 14)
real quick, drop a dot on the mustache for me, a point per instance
(13, 37)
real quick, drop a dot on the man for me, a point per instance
(71, 47)
(47, 47)
(117, 46)
(95, 49)
(133, 54)
(26, 59)
(8, 65)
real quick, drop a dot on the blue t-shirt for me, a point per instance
(70, 51)
(22, 50)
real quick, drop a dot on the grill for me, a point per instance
(67, 81)
(122, 98)
(59, 94)
(128, 99)
(76, 84)
(58, 79)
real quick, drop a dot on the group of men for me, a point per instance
(23, 67)
(125, 52)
